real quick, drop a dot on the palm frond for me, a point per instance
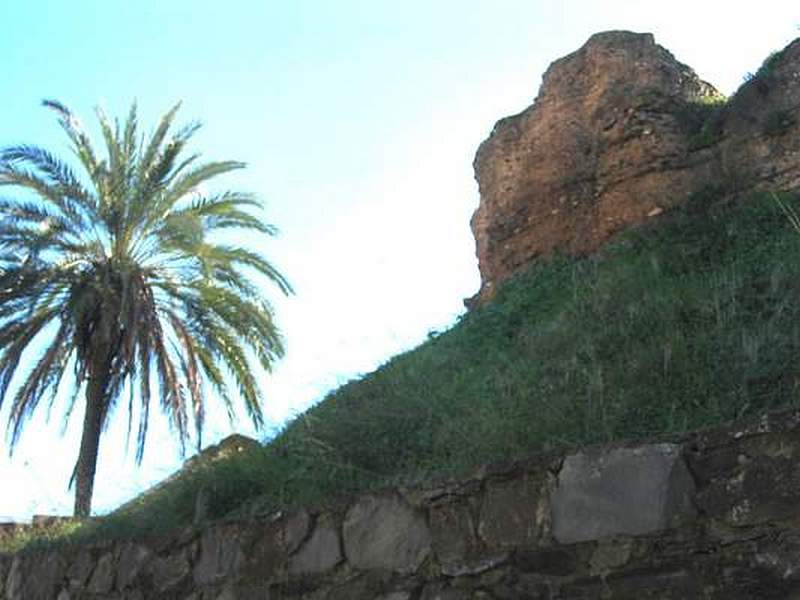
(14, 341)
(80, 141)
(69, 197)
(43, 378)
(153, 148)
(191, 181)
(121, 273)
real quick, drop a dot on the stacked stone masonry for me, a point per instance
(711, 515)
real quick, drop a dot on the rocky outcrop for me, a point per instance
(619, 133)
(710, 515)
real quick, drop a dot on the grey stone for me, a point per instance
(348, 586)
(441, 591)
(453, 532)
(513, 513)
(168, 571)
(63, 595)
(756, 482)
(220, 555)
(80, 569)
(267, 558)
(321, 552)
(132, 559)
(15, 579)
(46, 575)
(242, 590)
(395, 596)
(622, 491)
(5, 565)
(474, 565)
(295, 530)
(455, 541)
(558, 561)
(103, 577)
(228, 593)
(386, 533)
(35, 576)
(609, 555)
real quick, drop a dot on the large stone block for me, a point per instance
(321, 552)
(454, 533)
(103, 577)
(295, 530)
(266, 558)
(132, 559)
(514, 512)
(35, 576)
(386, 533)
(760, 481)
(169, 571)
(456, 545)
(220, 555)
(443, 591)
(5, 565)
(622, 491)
(14, 579)
(81, 568)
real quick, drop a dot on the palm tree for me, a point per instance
(122, 275)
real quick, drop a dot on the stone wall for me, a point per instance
(712, 515)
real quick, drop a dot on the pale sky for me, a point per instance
(359, 122)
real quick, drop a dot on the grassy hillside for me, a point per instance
(688, 322)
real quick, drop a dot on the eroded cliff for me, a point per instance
(619, 133)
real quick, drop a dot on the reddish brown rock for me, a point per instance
(619, 133)
(760, 137)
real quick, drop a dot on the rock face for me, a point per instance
(386, 533)
(620, 132)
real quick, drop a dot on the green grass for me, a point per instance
(705, 122)
(766, 71)
(683, 324)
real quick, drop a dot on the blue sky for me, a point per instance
(359, 122)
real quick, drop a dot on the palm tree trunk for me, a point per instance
(90, 443)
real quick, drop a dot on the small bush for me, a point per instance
(710, 129)
(767, 69)
(764, 78)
